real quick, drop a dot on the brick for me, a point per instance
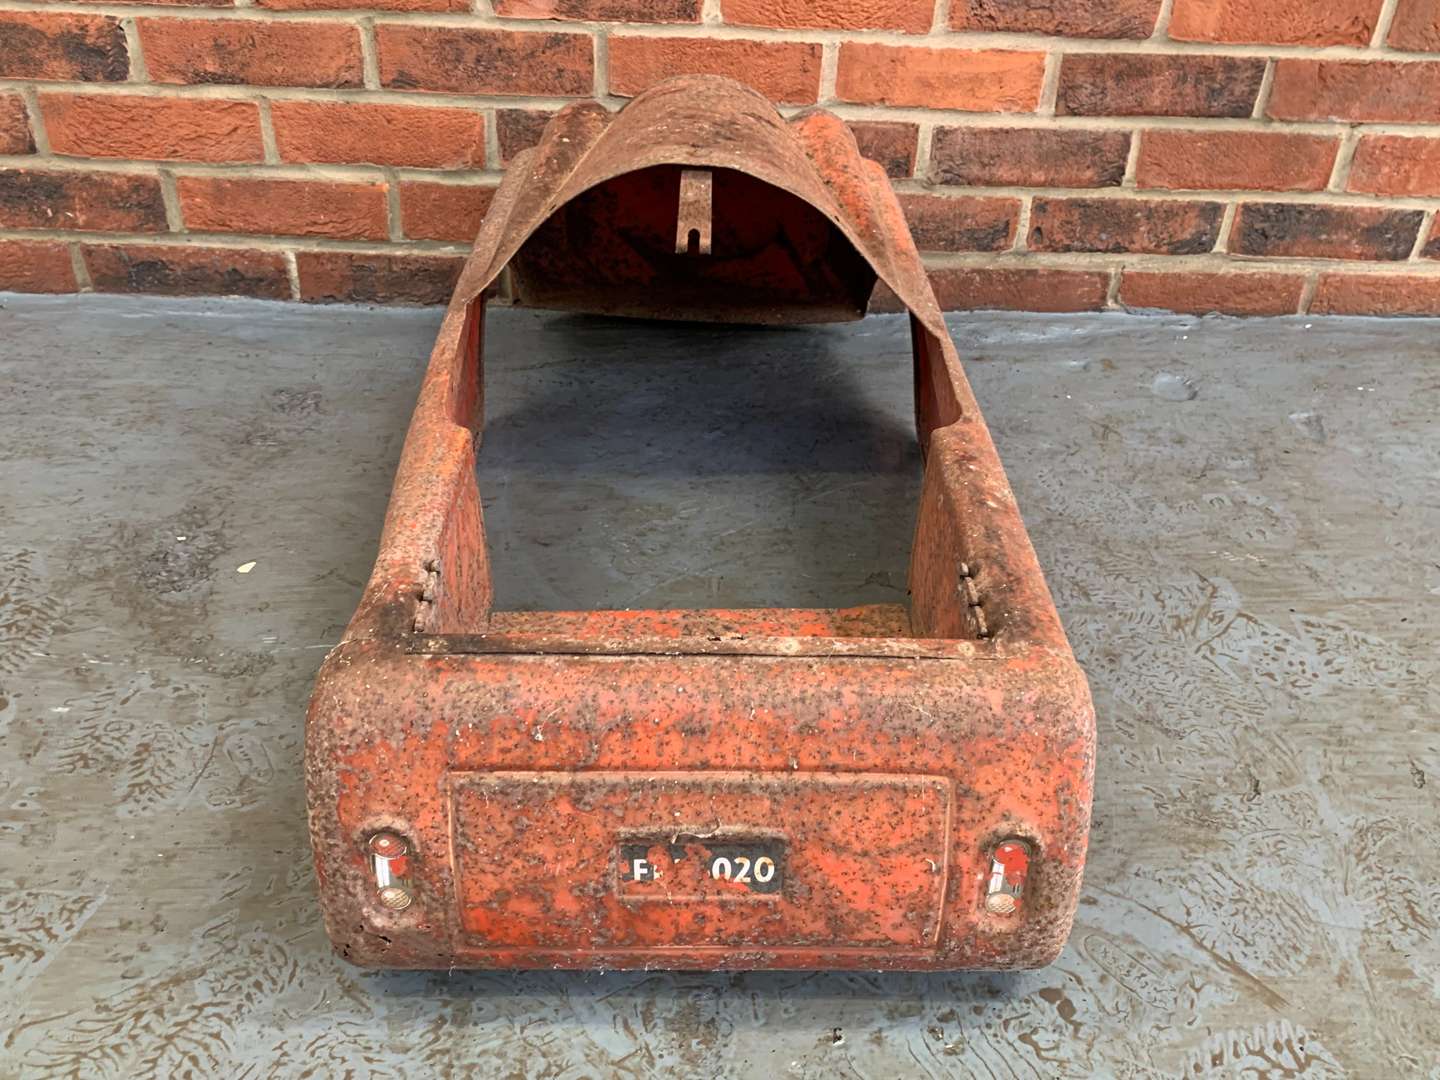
(332, 131)
(1356, 90)
(152, 128)
(1431, 250)
(345, 277)
(232, 52)
(45, 45)
(1396, 165)
(909, 16)
(473, 61)
(637, 11)
(73, 200)
(454, 212)
(1119, 84)
(1324, 232)
(1416, 26)
(1376, 294)
(910, 75)
(892, 145)
(960, 223)
(368, 5)
(1019, 289)
(1204, 294)
(787, 72)
(1028, 157)
(1168, 227)
(1073, 18)
(1235, 160)
(36, 267)
(15, 136)
(344, 211)
(519, 129)
(1275, 22)
(187, 271)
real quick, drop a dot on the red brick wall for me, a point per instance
(1248, 156)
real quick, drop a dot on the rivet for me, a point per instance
(395, 898)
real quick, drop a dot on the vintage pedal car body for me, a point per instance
(889, 787)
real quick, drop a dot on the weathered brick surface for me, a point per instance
(432, 211)
(961, 223)
(642, 11)
(1275, 22)
(1396, 165)
(35, 266)
(1169, 227)
(892, 145)
(338, 210)
(1019, 289)
(1136, 84)
(152, 128)
(787, 72)
(52, 45)
(1356, 90)
(357, 138)
(1204, 293)
(1071, 18)
(15, 134)
(34, 199)
(519, 129)
(1376, 294)
(466, 61)
(981, 80)
(909, 16)
(232, 53)
(1325, 232)
(418, 136)
(1416, 26)
(335, 276)
(370, 5)
(1029, 157)
(187, 271)
(1238, 160)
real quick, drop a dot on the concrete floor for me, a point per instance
(1238, 520)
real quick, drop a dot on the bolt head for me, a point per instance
(395, 898)
(388, 845)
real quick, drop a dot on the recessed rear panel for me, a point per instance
(620, 860)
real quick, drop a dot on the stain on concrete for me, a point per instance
(1310, 424)
(30, 612)
(181, 555)
(1168, 386)
(295, 401)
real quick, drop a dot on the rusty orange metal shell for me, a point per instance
(700, 789)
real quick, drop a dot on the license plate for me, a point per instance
(700, 868)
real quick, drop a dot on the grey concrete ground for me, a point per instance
(1238, 520)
